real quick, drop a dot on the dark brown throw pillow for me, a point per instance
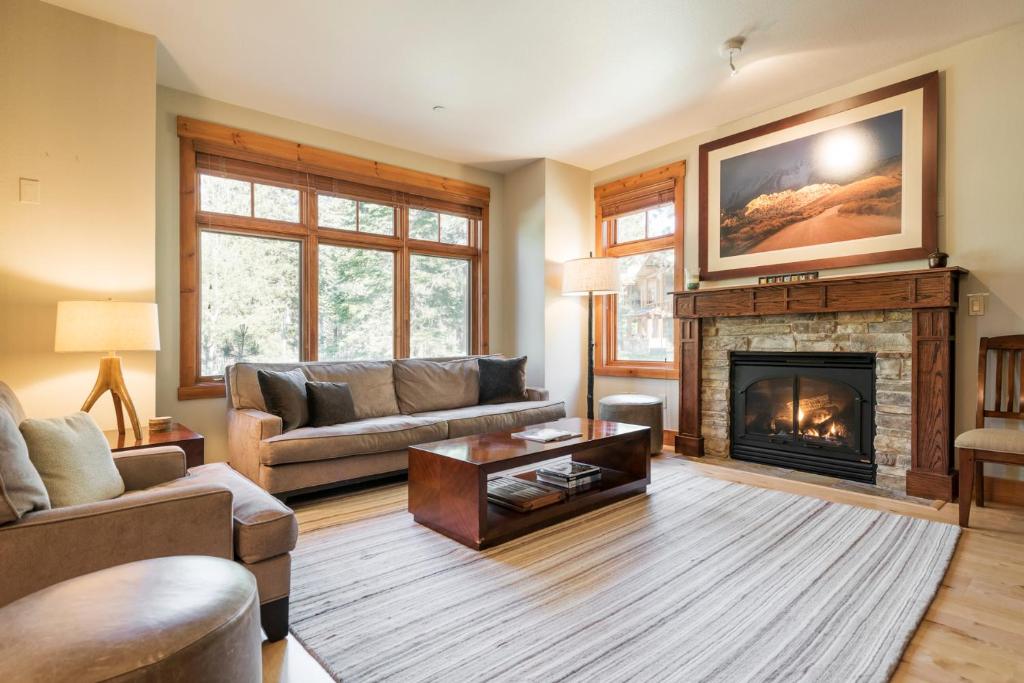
(330, 403)
(502, 380)
(285, 396)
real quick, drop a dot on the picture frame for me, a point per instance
(851, 183)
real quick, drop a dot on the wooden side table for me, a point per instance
(178, 435)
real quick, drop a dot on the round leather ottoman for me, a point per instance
(635, 409)
(167, 619)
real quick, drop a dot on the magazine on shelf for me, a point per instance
(568, 469)
(571, 485)
(545, 435)
(520, 494)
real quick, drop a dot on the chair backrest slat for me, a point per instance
(1007, 355)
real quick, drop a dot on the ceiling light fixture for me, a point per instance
(730, 49)
(438, 107)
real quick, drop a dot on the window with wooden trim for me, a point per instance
(639, 221)
(334, 258)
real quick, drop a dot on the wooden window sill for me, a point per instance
(637, 371)
(212, 389)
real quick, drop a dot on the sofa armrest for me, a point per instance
(537, 394)
(246, 429)
(49, 546)
(144, 467)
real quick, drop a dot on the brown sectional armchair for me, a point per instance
(398, 404)
(164, 511)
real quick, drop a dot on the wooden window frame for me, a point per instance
(220, 150)
(622, 197)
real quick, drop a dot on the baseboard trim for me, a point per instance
(1001, 490)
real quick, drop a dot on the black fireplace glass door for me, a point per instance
(766, 412)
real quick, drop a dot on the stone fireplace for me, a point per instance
(891, 424)
(883, 335)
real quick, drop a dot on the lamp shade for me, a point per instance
(106, 326)
(584, 276)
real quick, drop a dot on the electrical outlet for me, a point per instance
(976, 304)
(30, 191)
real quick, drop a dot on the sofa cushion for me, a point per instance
(330, 403)
(502, 380)
(372, 435)
(498, 417)
(73, 459)
(284, 394)
(372, 384)
(21, 488)
(264, 527)
(424, 385)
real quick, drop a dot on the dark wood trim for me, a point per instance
(929, 84)
(932, 295)
(927, 288)
(690, 441)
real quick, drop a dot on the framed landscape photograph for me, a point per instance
(848, 184)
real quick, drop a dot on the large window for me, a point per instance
(440, 307)
(342, 260)
(639, 222)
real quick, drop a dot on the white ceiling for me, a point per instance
(587, 82)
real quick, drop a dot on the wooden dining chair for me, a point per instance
(1003, 359)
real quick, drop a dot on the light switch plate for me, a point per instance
(30, 191)
(976, 304)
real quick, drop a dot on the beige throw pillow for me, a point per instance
(73, 459)
(21, 489)
(426, 385)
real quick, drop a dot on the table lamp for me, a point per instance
(109, 326)
(588, 277)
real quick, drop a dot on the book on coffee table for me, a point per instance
(521, 495)
(545, 435)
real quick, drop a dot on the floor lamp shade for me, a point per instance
(109, 326)
(584, 276)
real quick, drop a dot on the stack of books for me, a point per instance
(574, 477)
(521, 495)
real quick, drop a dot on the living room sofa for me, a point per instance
(398, 404)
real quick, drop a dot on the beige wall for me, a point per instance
(568, 234)
(208, 416)
(524, 234)
(77, 104)
(980, 186)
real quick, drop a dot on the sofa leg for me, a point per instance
(274, 618)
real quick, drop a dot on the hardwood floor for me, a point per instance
(974, 630)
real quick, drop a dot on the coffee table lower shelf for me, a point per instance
(504, 524)
(448, 490)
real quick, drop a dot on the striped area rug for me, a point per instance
(699, 580)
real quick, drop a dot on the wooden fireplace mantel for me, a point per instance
(932, 297)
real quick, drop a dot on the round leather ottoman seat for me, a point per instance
(635, 409)
(167, 619)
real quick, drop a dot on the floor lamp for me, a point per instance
(590, 277)
(109, 326)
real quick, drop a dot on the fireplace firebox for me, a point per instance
(806, 411)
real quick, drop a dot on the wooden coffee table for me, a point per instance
(448, 479)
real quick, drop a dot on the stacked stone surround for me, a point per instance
(886, 333)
